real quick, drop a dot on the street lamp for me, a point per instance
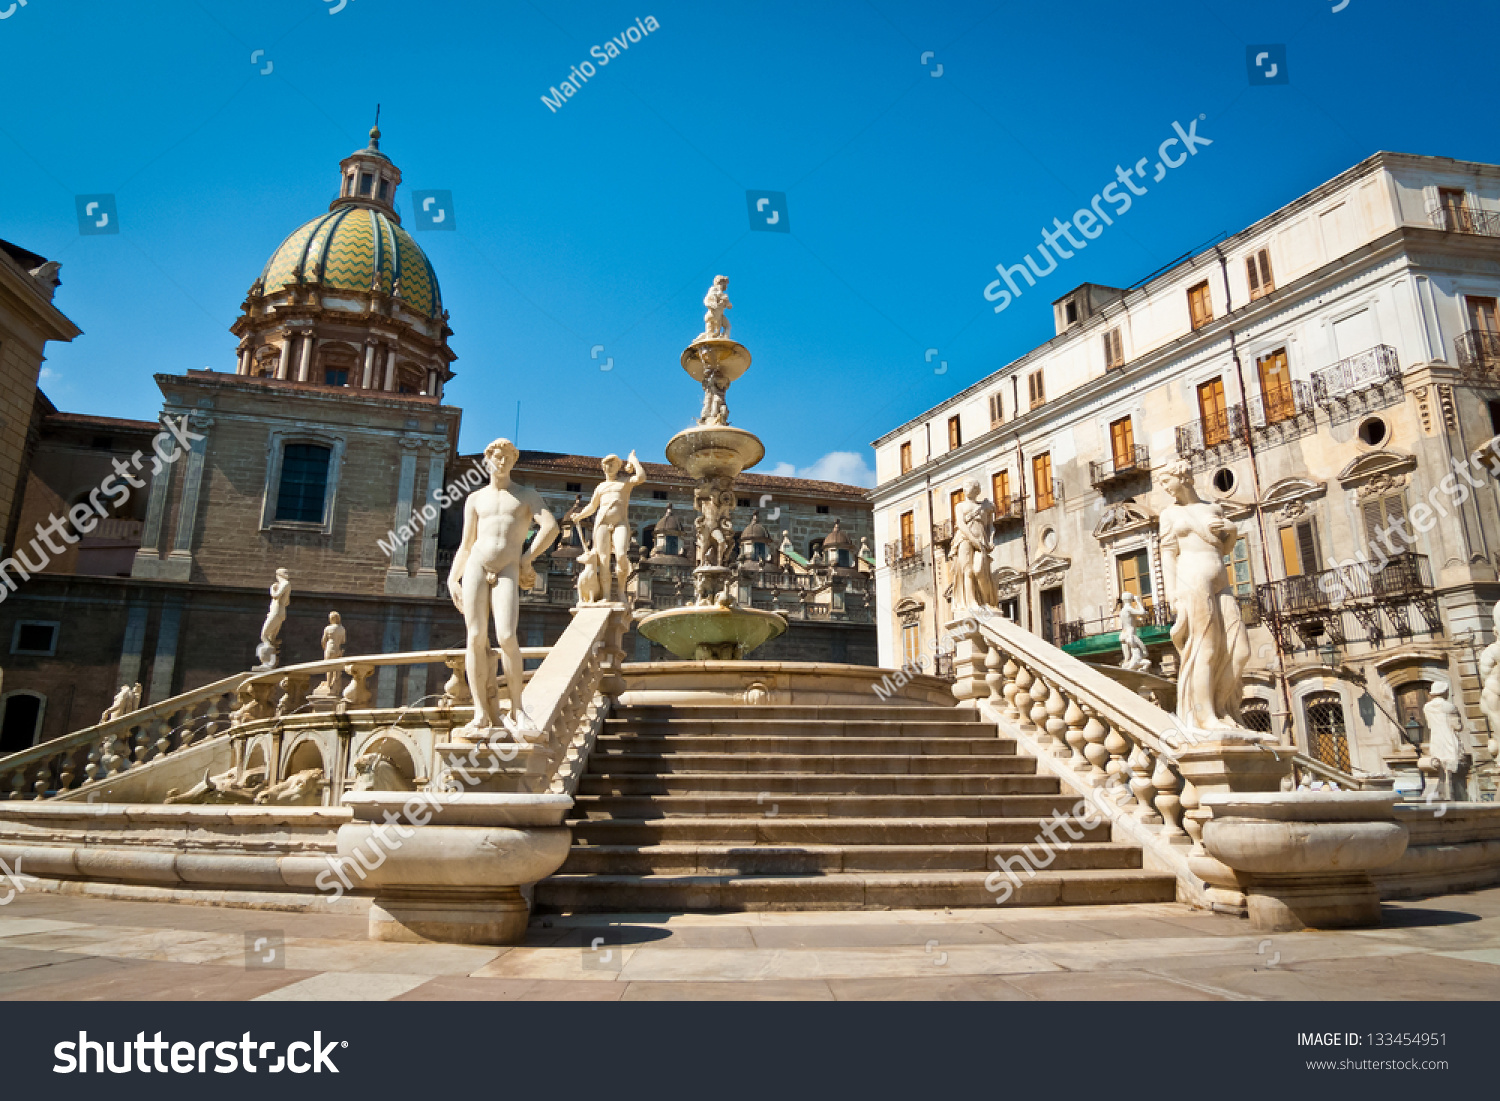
(1413, 732)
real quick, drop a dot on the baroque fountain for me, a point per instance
(714, 453)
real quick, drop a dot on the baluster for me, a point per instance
(1141, 786)
(1118, 769)
(356, 693)
(992, 675)
(1075, 721)
(1094, 733)
(1057, 726)
(164, 742)
(1039, 691)
(140, 747)
(1024, 681)
(1192, 825)
(66, 772)
(18, 784)
(1009, 691)
(92, 768)
(1168, 805)
(43, 780)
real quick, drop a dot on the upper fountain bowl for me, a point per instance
(731, 358)
(714, 451)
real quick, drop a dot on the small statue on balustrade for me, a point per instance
(973, 540)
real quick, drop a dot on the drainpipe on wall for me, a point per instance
(1260, 520)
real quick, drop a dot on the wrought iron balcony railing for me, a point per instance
(1479, 353)
(1158, 614)
(1404, 576)
(1010, 508)
(1373, 367)
(1466, 219)
(942, 533)
(1119, 467)
(1284, 403)
(904, 554)
(1214, 429)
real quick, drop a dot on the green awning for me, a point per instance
(1110, 641)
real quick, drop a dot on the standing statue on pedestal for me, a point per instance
(611, 500)
(715, 302)
(1133, 654)
(270, 631)
(1212, 644)
(333, 649)
(973, 540)
(715, 387)
(1489, 676)
(1445, 729)
(127, 699)
(490, 568)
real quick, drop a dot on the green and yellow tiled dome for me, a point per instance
(344, 249)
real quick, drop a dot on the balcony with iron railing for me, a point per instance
(1374, 367)
(1467, 219)
(1479, 354)
(1082, 637)
(942, 533)
(1011, 508)
(1216, 428)
(1120, 467)
(1308, 610)
(1279, 407)
(904, 554)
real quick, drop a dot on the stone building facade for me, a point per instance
(328, 451)
(1332, 376)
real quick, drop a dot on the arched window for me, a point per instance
(1257, 715)
(21, 725)
(1327, 739)
(304, 483)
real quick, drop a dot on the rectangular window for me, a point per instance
(1114, 350)
(821, 510)
(1041, 480)
(1483, 314)
(997, 409)
(1299, 548)
(1237, 568)
(577, 487)
(1276, 386)
(1200, 305)
(1411, 699)
(385, 188)
(304, 483)
(954, 497)
(333, 377)
(906, 457)
(908, 534)
(366, 182)
(1122, 443)
(1214, 414)
(1036, 388)
(1383, 519)
(1000, 489)
(1052, 615)
(1455, 212)
(911, 643)
(955, 433)
(1258, 267)
(34, 638)
(1135, 575)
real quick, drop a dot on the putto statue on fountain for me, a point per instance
(715, 302)
(490, 568)
(611, 501)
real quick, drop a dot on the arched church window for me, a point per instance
(304, 483)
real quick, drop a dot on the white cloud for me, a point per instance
(48, 375)
(848, 467)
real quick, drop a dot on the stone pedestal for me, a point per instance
(450, 867)
(1304, 858)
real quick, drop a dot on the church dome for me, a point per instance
(356, 248)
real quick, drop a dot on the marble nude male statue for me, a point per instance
(1212, 644)
(270, 630)
(973, 539)
(611, 500)
(1133, 654)
(491, 566)
(715, 302)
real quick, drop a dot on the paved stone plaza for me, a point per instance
(67, 948)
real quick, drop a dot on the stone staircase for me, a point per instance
(699, 807)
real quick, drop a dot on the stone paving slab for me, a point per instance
(60, 947)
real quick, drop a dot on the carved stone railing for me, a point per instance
(1137, 765)
(568, 698)
(110, 748)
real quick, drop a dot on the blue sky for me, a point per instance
(605, 221)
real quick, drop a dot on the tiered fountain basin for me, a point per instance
(712, 632)
(714, 451)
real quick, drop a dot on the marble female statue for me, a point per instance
(1133, 654)
(1445, 731)
(973, 539)
(1489, 677)
(490, 568)
(1212, 644)
(333, 649)
(270, 630)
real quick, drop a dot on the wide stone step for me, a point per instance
(808, 744)
(824, 806)
(798, 711)
(761, 829)
(827, 728)
(846, 891)
(695, 783)
(825, 859)
(896, 764)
